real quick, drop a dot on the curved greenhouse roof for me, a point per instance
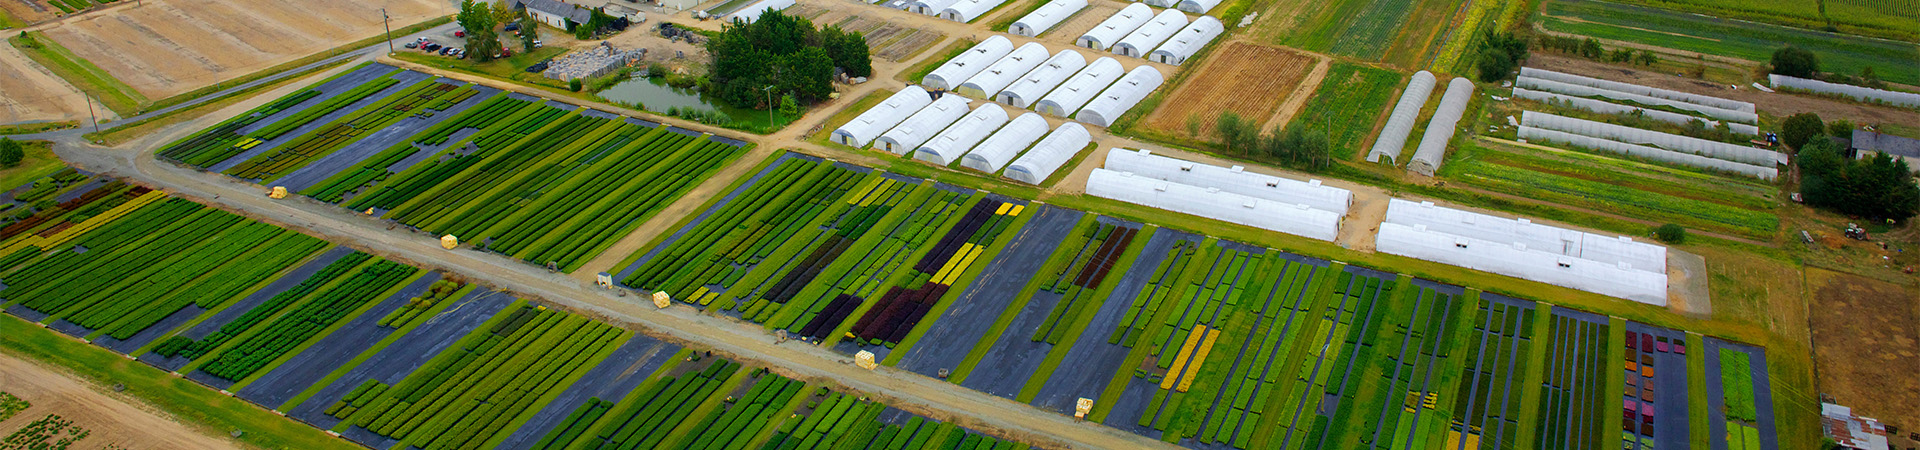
(1609, 265)
(1045, 157)
(1147, 37)
(1433, 145)
(922, 125)
(1406, 113)
(958, 69)
(1002, 73)
(1016, 136)
(1120, 97)
(1290, 218)
(860, 131)
(964, 11)
(1235, 179)
(1045, 18)
(1674, 142)
(1038, 82)
(1109, 31)
(1190, 40)
(1081, 88)
(946, 147)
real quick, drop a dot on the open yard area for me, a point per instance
(1866, 341)
(171, 46)
(1246, 79)
(106, 419)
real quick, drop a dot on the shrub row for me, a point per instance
(413, 101)
(305, 321)
(88, 275)
(216, 144)
(645, 421)
(745, 417)
(874, 260)
(415, 306)
(1096, 257)
(415, 180)
(193, 349)
(1159, 288)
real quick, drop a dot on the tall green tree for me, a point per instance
(11, 153)
(1877, 187)
(529, 32)
(753, 64)
(478, 20)
(1800, 128)
(1795, 62)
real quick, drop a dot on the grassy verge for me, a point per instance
(127, 131)
(39, 162)
(195, 405)
(919, 71)
(1059, 351)
(38, 127)
(374, 350)
(89, 78)
(337, 325)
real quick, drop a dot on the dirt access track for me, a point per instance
(166, 47)
(109, 419)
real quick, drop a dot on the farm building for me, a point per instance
(1041, 80)
(1002, 73)
(1013, 138)
(1120, 97)
(1605, 107)
(1433, 145)
(1290, 218)
(1907, 99)
(964, 11)
(1147, 37)
(1197, 6)
(958, 69)
(1683, 144)
(1109, 31)
(1865, 142)
(1082, 87)
(1851, 431)
(1235, 179)
(752, 12)
(930, 7)
(1045, 18)
(1188, 41)
(1697, 99)
(1046, 156)
(860, 131)
(922, 125)
(1393, 137)
(554, 13)
(946, 147)
(1614, 266)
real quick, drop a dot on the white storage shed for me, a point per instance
(1121, 96)
(1045, 18)
(1213, 203)
(1081, 88)
(1149, 36)
(1393, 137)
(946, 147)
(964, 11)
(1002, 73)
(1109, 31)
(960, 68)
(1235, 179)
(1190, 40)
(1433, 145)
(1041, 80)
(1045, 157)
(922, 125)
(1016, 136)
(860, 131)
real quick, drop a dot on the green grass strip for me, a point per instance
(377, 347)
(91, 79)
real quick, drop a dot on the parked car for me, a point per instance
(513, 26)
(460, 33)
(413, 45)
(538, 43)
(433, 47)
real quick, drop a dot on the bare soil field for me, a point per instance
(29, 11)
(1246, 79)
(1866, 345)
(29, 93)
(1777, 104)
(171, 46)
(886, 39)
(108, 419)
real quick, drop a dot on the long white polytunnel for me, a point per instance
(958, 69)
(1189, 41)
(1406, 113)
(860, 131)
(1038, 82)
(946, 147)
(922, 125)
(1235, 179)
(1433, 145)
(1003, 72)
(1147, 37)
(1081, 88)
(1610, 265)
(1045, 18)
(1059, 146)
(1121, 96)
(1214, 203)
(1109, 31)
(964, 11)
(1016, 136)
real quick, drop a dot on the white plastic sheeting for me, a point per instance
(930, 7)
(1045, 18)
(1041, 80)
(1120, 97)
(964, 11)
(946, 147)
(1533, 134)
(1045, 157)
(752, 12)
(922, 125)
(1674, 142)
(1590, 91)
(1696, 99)
(1235, 179)
(1291, 218)
(1016, 136)
(1907, 99)
(960, 68)
(882, 117)
(1109, 31)
(1433, 145)
(1189, 41)
(1160, 3)
(1197, 6)
(1604, 107)
(1002, 73)
(1393, 137)
(1615, 266)
(1081, 88)
(1149, 36)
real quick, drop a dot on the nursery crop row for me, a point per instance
(1080, 275)
(898, 311)
(1211, 291)
(216, 144)
(1655, 376)
(421, 99)
(490, 379)
(411, 312)
(1486, 404)
(646, 420)
(193, 349)
(305, 322)
(410, 183)
(1322, 364)
(43, 224)
(70, 280)
(1407, 342)
(225, 141)
(745, 416)
(492, 112)
(869, 265)
(1572, 404)
(839, 421)
(823, 238)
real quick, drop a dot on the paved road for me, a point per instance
(682, 324)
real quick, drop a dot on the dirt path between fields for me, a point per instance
(1301, 92)
(109, 417)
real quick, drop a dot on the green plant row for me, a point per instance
(1496, 360)
(195, 348)
(1407, 349)
(745, 417)
(72, 281)
(1736, 385)
(206, 147)
(498, 169)
(1574, 390)
(306, 320)
(379, 167)
(421, 99)
(814, 225)
(868, 266)
(1610, 197)
(139, 288)
(416, 180)
(1233, 389)
(440, 291)
(645, 420)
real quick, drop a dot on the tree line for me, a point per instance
(779, 56)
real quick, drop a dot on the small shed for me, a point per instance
(1041, 80)
(1109, 31)
(969, 63)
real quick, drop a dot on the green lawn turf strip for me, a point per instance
(196, 406)
(38, 162)
(377, 347)
(1058, 352)
(82, 74)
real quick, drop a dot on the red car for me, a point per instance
(460, 33)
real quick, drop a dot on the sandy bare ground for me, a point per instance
(1301, 93)
(1776, 104)
(166, 47)
(110, 418)
(30, 93)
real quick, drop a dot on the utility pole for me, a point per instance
(384, 20)
(770, 105)
(95, 119)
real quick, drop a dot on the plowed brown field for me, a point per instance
(1246, 79)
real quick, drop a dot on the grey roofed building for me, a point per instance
(1884, 143)
(554, 12)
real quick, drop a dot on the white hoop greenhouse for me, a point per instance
(1697, 99)
(1406, 114)
(860, 131)
(1674, 142)
(1045, 18)
(1189, 41)
(1016, 136)
(1433, 145)
(1604, 107)
(1122, 96)
(1115, 27)
(1059, 146)
(1907, 99)
(922, 125)
(1213, 203)
(1082, 87)
(1615, 266)
(958, 69)
(1149, 36)
(1041, 80)
(946, 147)
(1235, 179)
(1002, 73)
